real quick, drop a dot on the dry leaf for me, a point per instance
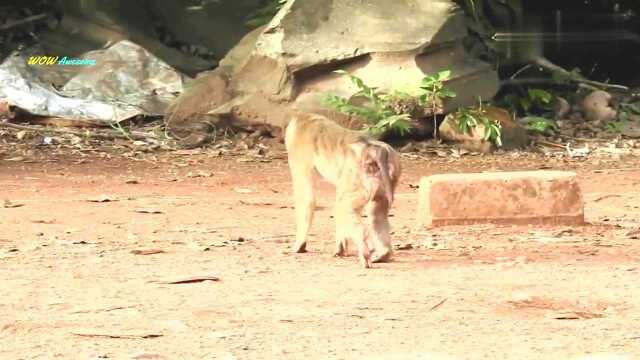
(577, 315)
(17, 158)
(147, 252)
(10, 205)
(149, 211)
(190, 280)
(242, 190)
(47, 221)
(102, 199)
(608, 196)
(255, 203)
(115, 336)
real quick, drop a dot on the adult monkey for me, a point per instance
(365, 173)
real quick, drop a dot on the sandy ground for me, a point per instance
(75, 285)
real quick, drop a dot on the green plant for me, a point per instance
(264, 14)
(536, 100)
(118, 127)
(615, 126)
(625, 113)
(392, 111)
(434, 93)
(468, 118)
(541, 125)
(379, 113)
(627, 109)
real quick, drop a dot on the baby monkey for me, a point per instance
(365, 173)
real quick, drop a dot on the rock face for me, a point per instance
(288, 65)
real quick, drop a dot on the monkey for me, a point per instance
(365, 173)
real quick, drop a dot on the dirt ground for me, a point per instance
(88, 279)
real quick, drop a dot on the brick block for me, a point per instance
(525, 197)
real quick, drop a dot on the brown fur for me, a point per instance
(365, 173)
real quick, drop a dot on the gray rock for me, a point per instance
(390, 45)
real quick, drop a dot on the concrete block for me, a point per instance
(525, 197)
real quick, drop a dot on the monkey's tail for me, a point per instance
(383, 165)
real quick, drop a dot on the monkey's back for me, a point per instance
(332, 146)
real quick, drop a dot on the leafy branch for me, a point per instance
(393, 110)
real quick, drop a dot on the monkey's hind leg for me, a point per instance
(304, 200)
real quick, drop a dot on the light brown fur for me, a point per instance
(365, 173)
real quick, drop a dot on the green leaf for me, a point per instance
(539, 96)
(541, 125)
(526, 104)
(443, 75)
(447, 93)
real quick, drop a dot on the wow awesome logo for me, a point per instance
(56, 60)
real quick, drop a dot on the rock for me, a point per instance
(290, 65)
(561, 108)
(528, 197)
(597, 107)
(187, 118)
(631, 127)
(513, 136)
(237, 57)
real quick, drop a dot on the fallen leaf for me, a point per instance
(102, 199)
(147, 252)
(131, 181)
(255, 203)
(199, 174)
(242, 190)
(149, 211)
(564, 231)
(148, 356)
(407, 246)
(577, 315)
(44, 221)
(115, 336)
(437, 305)
(17, 158)
(190, 280)
(10, 205)
(188, 152)
(608, 196)
(633, 234)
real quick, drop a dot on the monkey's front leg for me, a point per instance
(378, 225)
(349, 225)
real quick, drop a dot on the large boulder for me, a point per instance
(287, 66)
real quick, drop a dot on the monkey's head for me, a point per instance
(375, 170)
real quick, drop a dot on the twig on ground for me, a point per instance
(26, 20)
(438, 304)
(104, 135)
(549, 66)
(549, 143)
